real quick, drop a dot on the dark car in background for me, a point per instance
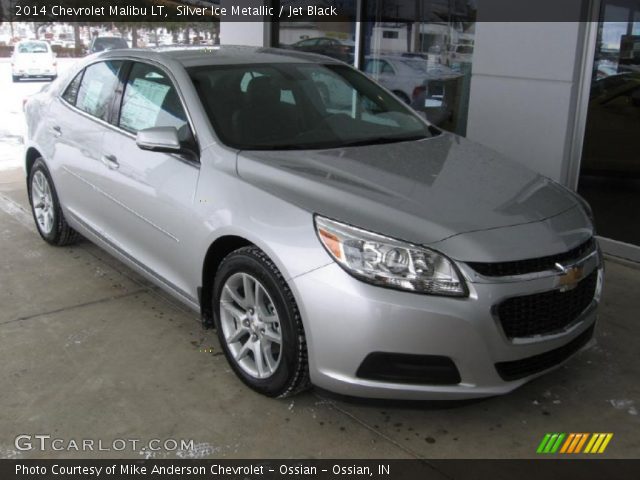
(331, 47)
(101, 44)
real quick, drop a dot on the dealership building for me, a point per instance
(560, 94)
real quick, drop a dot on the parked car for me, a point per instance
(100, 44)
(33, 59)
(331, 47)
(416, 82)
(352, 246)
(398, 74)
(461, 54)
(403, 75)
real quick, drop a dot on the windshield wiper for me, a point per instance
(380, 141)
(329, 146)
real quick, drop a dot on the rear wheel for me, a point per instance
(45, 207)
(402, 96)
(259, 325)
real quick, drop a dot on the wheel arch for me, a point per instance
(216, 252)
(31, 155)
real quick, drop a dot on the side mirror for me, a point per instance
(159, 139)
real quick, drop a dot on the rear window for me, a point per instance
(33, 47)
(71, 93)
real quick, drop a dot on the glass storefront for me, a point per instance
(420, 49)
(335, 38)
(610, 168)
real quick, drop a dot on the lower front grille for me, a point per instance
(546, 312)
(525, 367)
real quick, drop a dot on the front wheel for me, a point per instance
(259, 325)
(45, 207)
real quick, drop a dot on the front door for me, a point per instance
(152, 192)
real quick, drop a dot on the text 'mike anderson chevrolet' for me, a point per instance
(331, 234)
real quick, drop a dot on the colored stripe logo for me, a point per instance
(573, 443)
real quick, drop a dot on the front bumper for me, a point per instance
(346, 320)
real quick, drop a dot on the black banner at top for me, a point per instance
(299, 10)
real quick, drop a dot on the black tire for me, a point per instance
(15, 78)
(292, 373)
(61, 234)
(402, 97)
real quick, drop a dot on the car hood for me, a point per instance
(419, 191)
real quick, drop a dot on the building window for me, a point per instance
(335, 38)
(429, 48)
(421, 50)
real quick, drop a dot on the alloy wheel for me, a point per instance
(250, 325)
(42, 201)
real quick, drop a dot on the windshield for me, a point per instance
(33, 47)
(301, 106)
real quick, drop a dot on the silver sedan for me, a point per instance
(330, 234)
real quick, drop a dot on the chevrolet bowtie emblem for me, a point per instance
(570, 276)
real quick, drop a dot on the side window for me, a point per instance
(71, 93)
(97, 88)
(311, 42)
(151, 100)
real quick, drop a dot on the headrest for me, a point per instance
(263, 90)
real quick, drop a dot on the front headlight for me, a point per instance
(387, 262)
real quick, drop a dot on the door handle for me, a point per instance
(57, 131)
(110, 161)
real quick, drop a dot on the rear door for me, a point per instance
(77, 122)
(152, 192)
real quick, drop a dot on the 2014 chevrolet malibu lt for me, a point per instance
(332, 235)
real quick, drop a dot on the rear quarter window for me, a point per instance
(97, 88)
(70, 95)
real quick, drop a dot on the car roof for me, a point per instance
(219, 55)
